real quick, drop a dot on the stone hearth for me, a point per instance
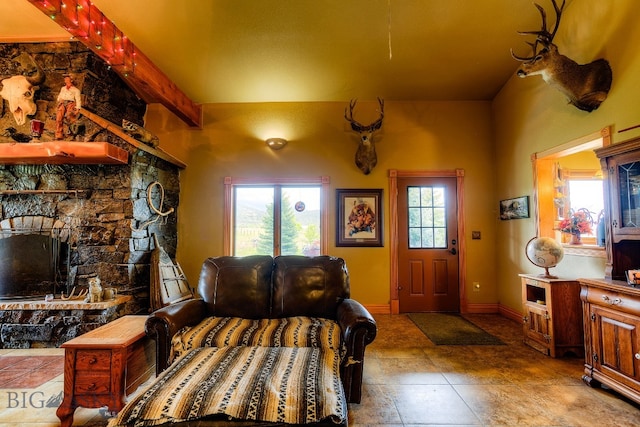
(33, 324)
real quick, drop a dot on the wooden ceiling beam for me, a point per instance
(91, 27)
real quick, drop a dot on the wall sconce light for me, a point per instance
(276, 143)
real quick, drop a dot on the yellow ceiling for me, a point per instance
(219, 51)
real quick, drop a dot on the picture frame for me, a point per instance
(359, 217)
(515, 208)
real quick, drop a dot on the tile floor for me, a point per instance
(408, 381)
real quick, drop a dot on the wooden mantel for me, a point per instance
(93, 29)
(62, 152)
(75, 152)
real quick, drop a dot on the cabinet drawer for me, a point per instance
(92, 383)
(93, 360)
(607, 298)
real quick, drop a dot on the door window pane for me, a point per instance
(427, 217)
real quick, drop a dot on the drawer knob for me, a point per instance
(637, 356)
(613, 301)
(91, 386)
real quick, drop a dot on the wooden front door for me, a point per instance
(428, 245)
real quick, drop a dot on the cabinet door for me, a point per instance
(537, 327)
(624, 175)
(616, 345)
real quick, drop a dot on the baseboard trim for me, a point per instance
(378, 308)
(510, 313)
(481, 308)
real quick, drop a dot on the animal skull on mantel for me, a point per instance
(19, 90)
(366, 157)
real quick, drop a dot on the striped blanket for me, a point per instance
(300, 331)
(284, 385)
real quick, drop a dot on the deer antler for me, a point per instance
(544, 37)
(349, 116)
(358, 127)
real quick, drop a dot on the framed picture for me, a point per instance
(359, 217)
(514, 208)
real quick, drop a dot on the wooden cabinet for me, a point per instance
(552, 321)
(621, 169)
(105, 365)
(611, 313)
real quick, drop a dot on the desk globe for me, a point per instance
(544, 252)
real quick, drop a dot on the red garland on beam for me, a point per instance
(90, 26)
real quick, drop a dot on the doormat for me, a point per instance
(452, 329)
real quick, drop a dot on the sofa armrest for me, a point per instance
(358, 330)
(164, 323)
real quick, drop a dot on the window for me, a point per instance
(275, 217)
(427, 217)
(568, 179)
(582, 191)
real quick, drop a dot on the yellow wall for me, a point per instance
(530, 116)
(493, 143)
(415, 136)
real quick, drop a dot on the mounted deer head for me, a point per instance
(585, 85)
(366, 158)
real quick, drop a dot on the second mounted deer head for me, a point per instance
(585, 85)
(366, 157)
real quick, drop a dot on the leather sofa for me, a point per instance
(263, 287)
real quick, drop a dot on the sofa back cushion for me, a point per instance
(237, 286)
(308, 286)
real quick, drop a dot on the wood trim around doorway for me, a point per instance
(394, 174)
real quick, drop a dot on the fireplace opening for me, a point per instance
(32, 266)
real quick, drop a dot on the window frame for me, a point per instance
(543, 176)
(231, 182)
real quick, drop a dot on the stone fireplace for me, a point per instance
(97, 222)
(97, 215)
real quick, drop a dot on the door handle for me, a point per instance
(453, 251)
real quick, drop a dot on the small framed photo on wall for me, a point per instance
(359, 217)
(515, 208)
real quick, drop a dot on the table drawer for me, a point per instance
(92, 383)
(93, 360)
(620, 301)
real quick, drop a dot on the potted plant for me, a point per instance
(578, 222)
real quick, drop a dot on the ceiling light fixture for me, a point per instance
(276, 143)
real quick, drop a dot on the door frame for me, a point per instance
(394, 174)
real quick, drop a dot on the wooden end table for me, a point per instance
(105, 365)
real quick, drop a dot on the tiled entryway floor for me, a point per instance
(29, 371)
(408, 381)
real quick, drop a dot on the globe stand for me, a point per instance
(546, 274)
